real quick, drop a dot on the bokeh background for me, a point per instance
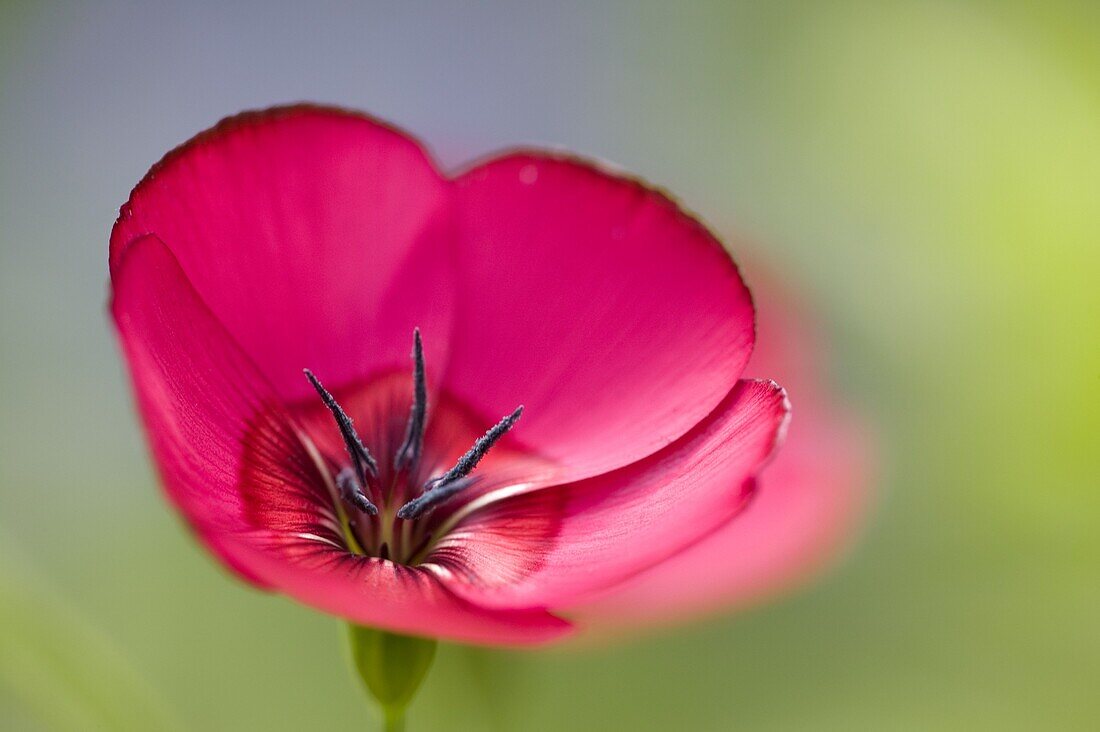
(926, 174)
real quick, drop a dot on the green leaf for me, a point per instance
(391, 666)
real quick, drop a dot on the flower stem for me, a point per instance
(394, 722)
(391, 667)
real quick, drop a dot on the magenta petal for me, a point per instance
(614, 317)
(597, 532)
(318, 237)
(803, 513)
(381, 594)
(196, 392)
(810, 498)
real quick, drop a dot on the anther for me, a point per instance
(453, 481)
(473, 456)
(409, 452)
(433, 497)
(348, 486)
(360, 456)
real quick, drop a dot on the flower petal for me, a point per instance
(232, 461)
(195, 390)
(378, 593)
(808, 500)
(810, 497)
(614, 317)
(556, 546)
(319, 237)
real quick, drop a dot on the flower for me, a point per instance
(329, 343)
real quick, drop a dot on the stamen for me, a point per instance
(364, 462)
(433, 497)
(440, 489)
(350, 491)
(473, 456)
(409, 452)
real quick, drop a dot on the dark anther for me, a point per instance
(440, 489)
(433, 497)
(409, 452)
(360, 456)
(473, 456)
(348, 486)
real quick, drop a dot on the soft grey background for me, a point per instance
(925, 173)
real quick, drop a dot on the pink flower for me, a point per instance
(408, 493)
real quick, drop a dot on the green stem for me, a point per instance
(391, 667)
(394, 722)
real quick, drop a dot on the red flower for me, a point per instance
(404, 494)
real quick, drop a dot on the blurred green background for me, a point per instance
(927, 173)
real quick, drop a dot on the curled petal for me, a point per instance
(811, 496)
(199, 396)
(559, 545)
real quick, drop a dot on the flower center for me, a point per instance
(385, 509)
